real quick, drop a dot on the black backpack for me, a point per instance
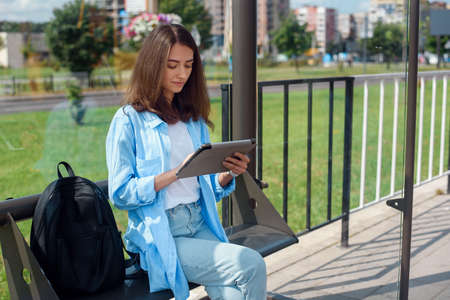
(75, 238)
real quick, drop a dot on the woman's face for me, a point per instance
(178, 69)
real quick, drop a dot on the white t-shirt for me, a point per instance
(184, 190)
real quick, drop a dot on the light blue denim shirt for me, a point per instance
(137, 149)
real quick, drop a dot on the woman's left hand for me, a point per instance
(237, 163)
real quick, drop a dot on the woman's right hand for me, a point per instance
(164, 179)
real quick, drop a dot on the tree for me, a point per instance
(336, 46)
(11, 26)
(387, 40)
(432, 45)
(192, 12)
(292, 39)
(79, 35)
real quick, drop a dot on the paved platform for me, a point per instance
(318, 268)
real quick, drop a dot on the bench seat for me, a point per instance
(257, 225)
(263, 239)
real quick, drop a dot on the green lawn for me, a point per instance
(32, 143)
(221, 74)
(215, 74)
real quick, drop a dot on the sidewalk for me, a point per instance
(318, 268)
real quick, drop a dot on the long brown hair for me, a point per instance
(145, 92)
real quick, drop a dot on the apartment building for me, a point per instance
(270, 14)
(322, 21)
(364, 29)
(138, 6)
(11, 54)
(216, 9)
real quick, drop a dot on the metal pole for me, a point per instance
(259, 137)
(410, 146)
(330, 148)
(448, 163)
(13, 85)
(347, 161)
(225, 137)
(438, 50)
(285, 151)
(51, 83)
(225, 112)
(244, 74)
(308, 158)
(366, 34)
(405, 38)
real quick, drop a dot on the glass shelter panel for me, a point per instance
(305, 51)
(332, 104)
(65, 66)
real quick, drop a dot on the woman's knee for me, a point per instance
(253, 262)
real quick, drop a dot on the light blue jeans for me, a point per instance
(227, 271)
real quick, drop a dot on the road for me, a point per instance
(15, 105)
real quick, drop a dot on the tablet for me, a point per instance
(209, 157)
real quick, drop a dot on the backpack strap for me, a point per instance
(133, 266)
(68, 169)
(134, 257)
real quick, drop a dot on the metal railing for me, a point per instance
(226, 134)
(16, 85)
(383, 81)
(396, 79)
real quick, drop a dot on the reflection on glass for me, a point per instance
(76, 56)
(64, 65)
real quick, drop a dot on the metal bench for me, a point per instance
(256, 224)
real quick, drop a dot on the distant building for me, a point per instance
(322, 21)
(386, 11)
(130, 6)
(364, 28)
(111, 6)
(389, 6)
(343, 26)
(270, 14)
(350, 29)
(216, 9)
(11, 55)
(138, 6)
(117, 11)
(439, 5)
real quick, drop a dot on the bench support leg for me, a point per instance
(251, 206)
(19, 260)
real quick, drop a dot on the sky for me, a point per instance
(41, 10)
(343, 6)
(29, 10)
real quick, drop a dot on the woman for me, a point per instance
(173, 223)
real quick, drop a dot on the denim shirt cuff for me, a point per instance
(226, 190)
(146, 189)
